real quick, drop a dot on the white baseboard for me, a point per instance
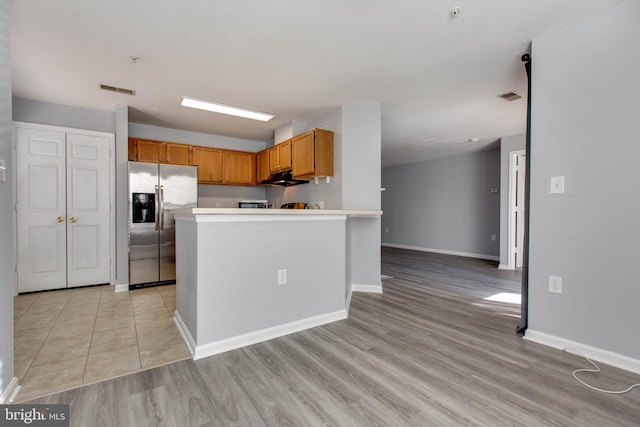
(598, 354)
(184, 331)
(504, 267)
(239, 341)
(10, 392)
(372, 289)
(122, 288)
(443, 251)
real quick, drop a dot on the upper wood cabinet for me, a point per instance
(147, 150)
(177, 154)
(239, 167)
(263, 165)
(312, 154)
(280, 157)
(209, 162)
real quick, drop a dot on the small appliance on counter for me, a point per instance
(295, 205)
(260, 204)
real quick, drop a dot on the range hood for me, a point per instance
(283, 179)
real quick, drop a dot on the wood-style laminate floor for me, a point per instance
(430, 351)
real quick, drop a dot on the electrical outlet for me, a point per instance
(555, 284)
(557, 184)
(282, 277)
(493, 237)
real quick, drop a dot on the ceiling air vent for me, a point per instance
(118, 89)
(510, 96)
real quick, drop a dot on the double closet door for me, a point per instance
(63, 208)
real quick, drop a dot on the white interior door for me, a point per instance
(63, 209)
(88, 211)
(41, 210)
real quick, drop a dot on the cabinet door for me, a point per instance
(263, 165)
(239, 168)
(284, 155)
(209, 162)
(302, 155)
(274, 163)
(150, 151)
(177, 154)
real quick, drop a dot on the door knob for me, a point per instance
(59, 219)
(72, 219)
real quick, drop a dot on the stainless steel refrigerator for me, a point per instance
(155, 190)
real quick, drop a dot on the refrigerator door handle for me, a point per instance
(161, 207)
(157, 218)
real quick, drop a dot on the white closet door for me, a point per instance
(63, 209)
(41, 210)
(88, 250)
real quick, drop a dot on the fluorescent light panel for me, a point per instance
(225, 109)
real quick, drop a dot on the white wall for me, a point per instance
(7, 253)
(508, 144)
(585, 127)
(444, 205)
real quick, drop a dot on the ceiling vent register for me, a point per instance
(510, 96)
(118, 89)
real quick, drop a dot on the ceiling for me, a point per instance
(436, 77)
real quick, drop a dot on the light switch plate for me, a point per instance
(557, 184)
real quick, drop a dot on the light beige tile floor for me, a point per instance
(68, 338)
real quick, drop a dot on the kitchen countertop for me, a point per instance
(238, 211)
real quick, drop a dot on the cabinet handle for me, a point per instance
(72, 219)
(59, 219)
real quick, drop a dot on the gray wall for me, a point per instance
(122, 187)
(585, 127)
(507, 145)
(27, 110)
(445, 204)
(137, 130)
(7, 257)
(355, 184)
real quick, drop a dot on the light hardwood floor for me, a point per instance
(430, 351)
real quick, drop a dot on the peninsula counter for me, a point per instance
(248, 275)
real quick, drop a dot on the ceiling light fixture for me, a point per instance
(225, 109)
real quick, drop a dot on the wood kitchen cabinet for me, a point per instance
(177, 154)
(312, 154)
(263, 165)
(280, 157)
(239, 167)
(209, 162)
(147, 150)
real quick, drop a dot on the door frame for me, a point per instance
(112, 189)
(512, 201)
